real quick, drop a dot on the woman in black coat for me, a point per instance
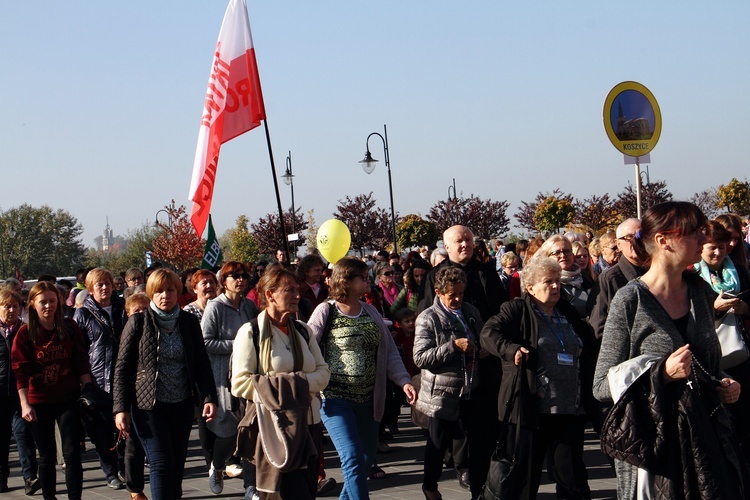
(162, 374)
(554, 342)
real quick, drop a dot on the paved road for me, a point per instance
(403, 466)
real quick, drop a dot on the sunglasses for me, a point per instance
(238, 276)
(387, 273)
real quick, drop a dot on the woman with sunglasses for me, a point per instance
(610, 253)
(223, 316)
(574, 288)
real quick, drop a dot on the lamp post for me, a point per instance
(453, 187)
(288, 178)
(368, 165)
(156, 218)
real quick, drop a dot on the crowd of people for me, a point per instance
(515, 347)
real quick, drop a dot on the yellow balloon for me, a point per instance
(333, 240)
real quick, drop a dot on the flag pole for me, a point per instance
(278, 196)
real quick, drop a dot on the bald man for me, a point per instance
(485, 291)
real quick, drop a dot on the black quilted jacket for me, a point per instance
(680, 433)
(136, 369)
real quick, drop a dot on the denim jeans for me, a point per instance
(164, 433)
(71, 432)
(25, 445)
(11, 423)
(354, 433)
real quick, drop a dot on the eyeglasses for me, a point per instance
(260, 270)
(387, 273)
(565, 252)
(237, 276)
(614, 249)
(627, 237)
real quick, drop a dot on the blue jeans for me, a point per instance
(164, 433)
(354, 433)
(11, 423)
(25, 445)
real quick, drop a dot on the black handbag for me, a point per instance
(506, 478)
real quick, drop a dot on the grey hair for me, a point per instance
(537, 268)
(448, 276)
(437, 252)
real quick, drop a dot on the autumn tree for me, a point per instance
(176, 242)
(311, 236)
(553, 213)
(239, 243)
(369, 225)
(525, 215)
(414, 231)
(267, 230)
(486, 218)
(735, 197)
(596, 213)
(40, 240)
(652, 193)
(707, 201)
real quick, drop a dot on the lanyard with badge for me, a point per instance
(564, 358)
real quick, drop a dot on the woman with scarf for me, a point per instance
(719, 271)
(446, 348)
(273, 345)
(11, 422)
(575, 287)
(610, 253)
(162, 374)
(385, 281)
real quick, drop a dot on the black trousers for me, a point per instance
(71, 432)
(562, 435)
(301, 484)
(480, 432)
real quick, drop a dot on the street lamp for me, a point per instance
(156, 218)
(368, 165)
(288, 178)
(453, 187)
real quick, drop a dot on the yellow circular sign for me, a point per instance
(632, 119)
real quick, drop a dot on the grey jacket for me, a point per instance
(220, 324)
(444, 375)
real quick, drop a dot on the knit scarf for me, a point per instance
(726, 280)
(390, 294)
(264, 343)
(166, 321)
(572, 277)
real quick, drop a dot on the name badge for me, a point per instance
(564, 359)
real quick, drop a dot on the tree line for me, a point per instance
(40, 240)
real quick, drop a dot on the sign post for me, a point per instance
(632, 120)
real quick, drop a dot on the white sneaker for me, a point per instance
(216, 480)
(251, 493)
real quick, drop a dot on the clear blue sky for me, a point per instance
(102, 101)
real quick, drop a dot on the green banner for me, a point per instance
(212, 255)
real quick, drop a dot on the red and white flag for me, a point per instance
(234, 105)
